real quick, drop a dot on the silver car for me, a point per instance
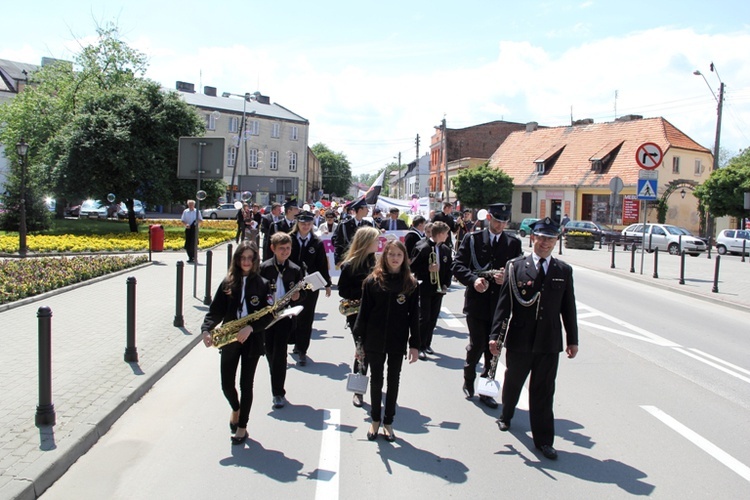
(223, 211)
(666, 237)
(730, 241)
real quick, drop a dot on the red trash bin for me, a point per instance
(156, 237)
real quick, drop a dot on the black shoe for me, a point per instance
(548, 451)
(388, 433)
(302, 359)
(295, 351)
(429, 350)
(372, 436)
(279, 401)
(423, 355)
(357, 400)
(502, 425)
(468, 390)
(239, 440)
(191, 261)
(488, 401)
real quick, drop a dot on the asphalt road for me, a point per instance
(656, 404)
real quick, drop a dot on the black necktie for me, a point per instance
(540, 270)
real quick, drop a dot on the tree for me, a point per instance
(723, 192)
(337, 172)
(478, 187)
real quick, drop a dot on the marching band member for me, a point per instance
(344, 234)
(357, 265)
(241, 292)
(479, 266)
(416, 233)
(308, 253)
(387, 322)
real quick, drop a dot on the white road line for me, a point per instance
(715, 365)
(327, 481)
(635, 331)
(450, 320)
(725, 458)
(719, 360)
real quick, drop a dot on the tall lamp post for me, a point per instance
(22, 149)
(246, 97)
(720, 101)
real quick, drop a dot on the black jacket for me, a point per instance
(313, 258)
(344, 235)
(385, 224)
(350, 280)
(482, 305)
(410, 240)
(291, 274)
(420, 263)
(387, 318)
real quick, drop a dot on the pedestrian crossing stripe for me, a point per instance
(646, 189)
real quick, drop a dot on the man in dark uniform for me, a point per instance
(416, 233)
(537, 292)
(479, 265)
(346, 229)
(266, 223)
(447, 217)
(283, 224)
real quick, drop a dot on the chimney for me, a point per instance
(263, 99)
(210, 91)
(185, 87)
(629, 118)
(584, 121)
(532, 126)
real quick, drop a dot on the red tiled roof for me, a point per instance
(582, 143)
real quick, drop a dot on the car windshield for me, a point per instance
(91, 205)
(605, 227)
(674, 230)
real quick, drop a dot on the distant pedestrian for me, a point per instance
(564, 220)
(191, 218)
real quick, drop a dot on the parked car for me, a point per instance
(92, 209)
(138, 208)
(666, 237)
(601, 232)
(524, 228)
(223, 211)
(730, 241)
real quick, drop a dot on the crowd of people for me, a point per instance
(392, 302)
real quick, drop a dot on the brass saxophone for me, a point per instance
(349, 307)
(227, 332)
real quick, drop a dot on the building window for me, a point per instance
(292, 162)
(274, 162)
(210, 122)
(253, 127)
(698, 167)
(676, 165)
(539, 168)
(525, 203)
(234, 124)
(276, 130)
(231, 156)
(252, 158)
(293, 134)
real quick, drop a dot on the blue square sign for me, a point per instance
(646, 189)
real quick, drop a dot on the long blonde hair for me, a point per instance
(358, 251)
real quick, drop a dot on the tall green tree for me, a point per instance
(337, 172)
(478, 187)
(723, 192)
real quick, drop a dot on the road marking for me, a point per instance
(634, 332)
(715, 365)
(725, 458)
(327, 481)
(450, 320)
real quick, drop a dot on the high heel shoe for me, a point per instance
(388, 433)
(237, 440)
(372, 434)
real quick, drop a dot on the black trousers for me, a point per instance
(429, 310)
(232, 356)
(479, 344)
(305, 320)
(276, 347)
(377, 361)
(357, 366)
(543, 369)
(190, 242)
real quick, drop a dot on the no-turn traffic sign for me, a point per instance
(648, 155)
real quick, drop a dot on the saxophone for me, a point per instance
(227, 333)
(348, 307)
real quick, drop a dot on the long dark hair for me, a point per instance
(379, 273)
(234, 276)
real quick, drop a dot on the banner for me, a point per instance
(328, 245)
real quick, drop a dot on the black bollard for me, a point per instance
(650, 239)
(744, 242)
(149, 243)
(131, 353)
(715, 288)
(529, 240)
(559, 251)
(229, 256)
(600, 241)
(179, 319)
(679, 242)
(682, 267)
(45, 410)
(614, 247)
(709, 248)
(656, 262)
(209, 260)
(632, 259)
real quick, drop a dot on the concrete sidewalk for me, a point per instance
(92, 385)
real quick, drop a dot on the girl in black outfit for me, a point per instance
(358, 262)
(242, 292)
(388, 320)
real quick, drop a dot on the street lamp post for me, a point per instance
(247, 97)
(398, 174)
(23, 150)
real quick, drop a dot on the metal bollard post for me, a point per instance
(229, 256)
(179, 319)
(600, 241)
(709, 248)
(45, 410)
(715, 288)
(559, 251)
(614, 247)
(529, 240)
(209, 260)
(656, 262)
(682, 267)
(149, 243)
(650, 239)
(131, 353)
(632, 259)
(744, 244)
(679, 242)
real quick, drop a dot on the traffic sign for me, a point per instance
(648, 155)
(648, 174)
(615, 185)
(646, 189)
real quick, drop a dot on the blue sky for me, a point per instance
(370, 76)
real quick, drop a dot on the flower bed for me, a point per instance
(579, 240)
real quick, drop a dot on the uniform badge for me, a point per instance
(311, 249)
(270, 300)
(523, 292)
(401, 299)
(254, 300)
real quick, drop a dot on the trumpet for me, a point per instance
(435, 275)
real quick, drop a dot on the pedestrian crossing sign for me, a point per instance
(646, 189)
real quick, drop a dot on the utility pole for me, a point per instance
(416, 183)
(445, 160)
(398, 176)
